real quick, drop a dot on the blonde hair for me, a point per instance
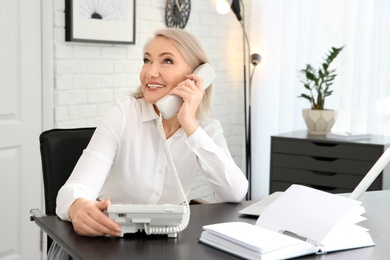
(194, 53)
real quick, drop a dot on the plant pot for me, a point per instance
(319, 122)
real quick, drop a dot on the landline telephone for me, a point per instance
(161, 219)
(170, 104)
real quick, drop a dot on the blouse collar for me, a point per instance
(149, 114)
(147, 111)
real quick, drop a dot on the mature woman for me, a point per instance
(125, 161)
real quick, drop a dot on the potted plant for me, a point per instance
(317, 82)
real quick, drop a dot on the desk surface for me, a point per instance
(186, 246)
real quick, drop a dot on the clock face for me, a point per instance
(177, 13)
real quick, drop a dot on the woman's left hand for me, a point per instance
(191, 91)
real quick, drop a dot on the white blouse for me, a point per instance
(126, 163)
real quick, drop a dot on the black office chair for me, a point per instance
(60, 151)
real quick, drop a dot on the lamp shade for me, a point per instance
(236, 9)
(255, 59)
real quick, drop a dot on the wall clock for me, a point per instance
(177, 13)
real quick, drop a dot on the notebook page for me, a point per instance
(308, 212)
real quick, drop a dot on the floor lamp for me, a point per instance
(223, 7)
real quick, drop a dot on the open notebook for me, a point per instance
(257, 208)
(301, 221)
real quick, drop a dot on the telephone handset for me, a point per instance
(170, 104)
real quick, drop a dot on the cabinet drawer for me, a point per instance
(327, 149)
(282, 186)
(321, 164)
(346, 182)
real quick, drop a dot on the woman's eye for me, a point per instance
(146, 60)
(167, 61)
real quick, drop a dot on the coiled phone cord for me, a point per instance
(186, 218)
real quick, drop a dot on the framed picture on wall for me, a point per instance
(100, 21)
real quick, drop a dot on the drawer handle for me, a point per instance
(324, 173)
(327, 159)
(325, 144)
(323, 188)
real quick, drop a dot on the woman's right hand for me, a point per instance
(88, 218)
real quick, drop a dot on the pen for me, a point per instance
(295, 235)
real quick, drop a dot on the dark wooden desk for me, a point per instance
(186, 246)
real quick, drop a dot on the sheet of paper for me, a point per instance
(309, 212)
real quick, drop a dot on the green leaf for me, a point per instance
(319, 80)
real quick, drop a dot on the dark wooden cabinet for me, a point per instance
(331, 165)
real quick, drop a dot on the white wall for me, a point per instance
(89, 77)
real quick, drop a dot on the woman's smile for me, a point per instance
(155, 86)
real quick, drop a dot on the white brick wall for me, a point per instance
(89, 77)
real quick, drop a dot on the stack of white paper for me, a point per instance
(350, 136)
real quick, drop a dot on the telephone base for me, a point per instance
(134, 218)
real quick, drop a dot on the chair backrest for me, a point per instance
(60, 151)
